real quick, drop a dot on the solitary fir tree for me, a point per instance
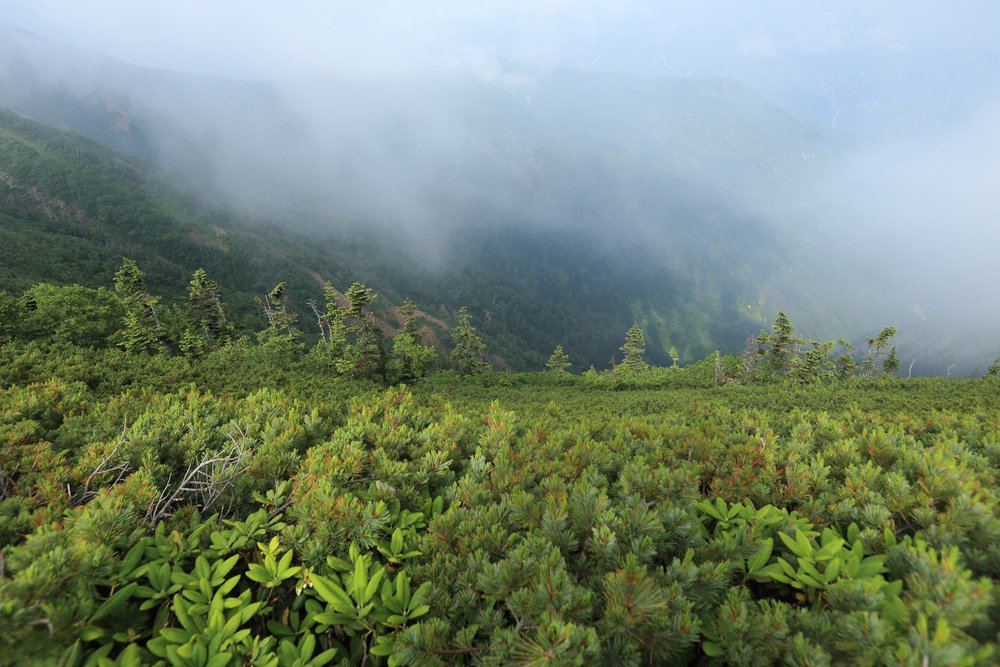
(891, 363)
(280, 320)
(781, 340)
(846, 364)
(468, 351)
(410, 358)
(142, 330)
(206, 312)
(877, 347)
(365, 353)
(559, 361)
(633, 349)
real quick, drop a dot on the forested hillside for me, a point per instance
(70, 209)
(558, 205)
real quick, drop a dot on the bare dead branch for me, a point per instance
(121, 470)
(206, 481)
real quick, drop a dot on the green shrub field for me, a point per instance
(239, 510)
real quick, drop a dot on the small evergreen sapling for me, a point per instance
(206, 312)
(280, 320)
(410, 359)
(634, 347)
(365, 354)
(559, 361)
(467, 354)
(877, 347)
(142, 330)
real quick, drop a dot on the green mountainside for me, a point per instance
(561, 207)
(70, 209)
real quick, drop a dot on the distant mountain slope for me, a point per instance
(70, 209)
(561, 206)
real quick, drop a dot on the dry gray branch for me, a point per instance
(206, 481)
(121, 470)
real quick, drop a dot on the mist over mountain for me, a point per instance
(695, 206)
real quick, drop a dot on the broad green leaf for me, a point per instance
(760, 557)
(331, 592)
(711, 649)
(373, 584)
(115, 602)
(832, 569)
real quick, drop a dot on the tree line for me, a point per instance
(351, 342)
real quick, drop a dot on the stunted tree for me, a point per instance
(142, 330)
(206, 312)
(633, 349)
(892, 363)
(559, 361)
(752, 354)
(332, 330)
(364, 355)
(467, 355)
(410, 358)
(280, 320)
(845, 362)
(815, 363)
(877, 347)
(781, 341)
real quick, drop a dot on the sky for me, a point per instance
(263, 39)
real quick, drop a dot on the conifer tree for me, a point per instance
(10, 316)
(994, 369)
(891, 363)
(365, 354)
(468, 350)
(280, 319)
(206, 312)
(336, 330)
(815, 363)
(846, 365)
(559, 361)
(781, 341)
(876, 349)
(634, 347)
(410, 358)
(409, 312)
(142, 330)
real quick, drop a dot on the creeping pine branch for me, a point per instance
(7, 481)
(120, 471)
(205, 481)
